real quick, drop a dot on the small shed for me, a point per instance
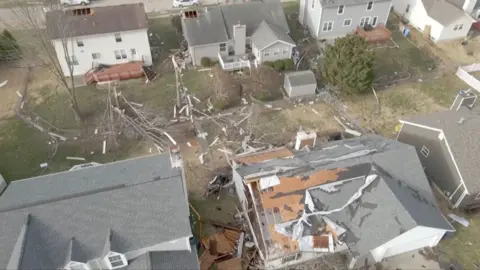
(300, 83)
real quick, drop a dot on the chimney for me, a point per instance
(305, 139)
(464, 98)
(239, 38)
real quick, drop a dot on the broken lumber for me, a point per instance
(57, 136)
(221, 224)
(76, 158)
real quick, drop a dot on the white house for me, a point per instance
(440, 19)
(107, 35)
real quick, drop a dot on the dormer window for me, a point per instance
(116, 260)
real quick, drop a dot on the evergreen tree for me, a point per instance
(348, 65)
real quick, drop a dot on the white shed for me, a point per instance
(300, 83)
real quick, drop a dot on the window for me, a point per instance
(223, 47)
(79, 43)
(116, 261)
(374, 21)
(276, 51)
(327, 26)
(425, 152)
(455, 28)
(340, 9)
(73, 61)
(285, 50)
(347, 22)
(266, 53)
(370, 5)
(133, 52)
(95, 56)
(364, 21)
(118, 37)
(120, 54)
(407, 9)
(313, 4)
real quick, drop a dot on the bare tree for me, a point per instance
(58, 35)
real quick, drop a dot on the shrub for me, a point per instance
(288, 64)
(268, 64)
(206, 62)
(278, 65)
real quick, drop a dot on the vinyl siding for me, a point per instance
(448, 33)
(380, 10)
(211, 51)
(276, 46)
(312, 16)
(104, 44)
(438, 165)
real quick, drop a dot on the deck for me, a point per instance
(233, 62)
(378, 34)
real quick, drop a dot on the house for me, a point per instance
(300, 83)
(88, 37)
(329, 19)
(235, 34)
(367, 197)
(446, 143)
(130, 214)
(440, 20)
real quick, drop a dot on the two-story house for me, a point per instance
(237, 33)
(130, 215)
(439, 19)
(84, 38)
(329, 19)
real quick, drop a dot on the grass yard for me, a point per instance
(464, 247)
(406, 58)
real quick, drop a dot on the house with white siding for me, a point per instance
(238, 35)
(329, 19)
(89, 36)
(439, 19)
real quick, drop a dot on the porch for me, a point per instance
(234, 62)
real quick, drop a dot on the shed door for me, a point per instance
(413, 245)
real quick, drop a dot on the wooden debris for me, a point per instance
(206, 260)
(76, 158)
(221, 224)
(231, 264)
(57, 136)
(104, 148)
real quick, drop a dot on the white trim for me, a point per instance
(343, 10)
(345, 21)
(374, 18)
(371, 7)
(460, 199)
(451, 196)
(477, 197)
(446, 144)
(327, 23)
(453, 103)
(273, 43)
(425, 151)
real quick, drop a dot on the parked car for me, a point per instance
(74, 2)
(185, 3)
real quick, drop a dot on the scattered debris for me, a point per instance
(221, 180)
(4, 83)
(76, 158)
(19, 95)
(44, 165)
(458, 219)
(57, 136)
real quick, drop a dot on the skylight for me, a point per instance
(116, 261)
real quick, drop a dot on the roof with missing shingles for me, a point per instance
(332, 173)
(461, 137)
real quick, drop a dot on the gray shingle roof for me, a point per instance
(95, 179)
(208, 28)
(266, 34)
(398, 200)
(139, 213)
(462, 139)
(107, 19)
(174, 260)
(336, 3)
(304, 77)
(215, 24)
(443, 11)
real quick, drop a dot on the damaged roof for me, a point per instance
(398, 199)
(215, 24)
(461, 129)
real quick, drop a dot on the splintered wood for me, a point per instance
(260, 157)
(221, 242)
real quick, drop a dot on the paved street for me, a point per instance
(8, 18)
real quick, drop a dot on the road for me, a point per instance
(9, 17)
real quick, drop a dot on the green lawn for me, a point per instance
(443, 90)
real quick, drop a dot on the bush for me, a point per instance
(176, 22)
(288, 64)
(268, 64)
(278, 65)
(206, 62)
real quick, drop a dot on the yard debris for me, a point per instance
(57, 136)
(222, 179)
(3, 83)
(76, 158)
(459, 219)
(104, 147)
(19, 95)
(43, 165)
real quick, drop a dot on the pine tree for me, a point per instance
(348, 65)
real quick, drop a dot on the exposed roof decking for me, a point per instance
(264, 156)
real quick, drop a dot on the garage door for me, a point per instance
(413, 245)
